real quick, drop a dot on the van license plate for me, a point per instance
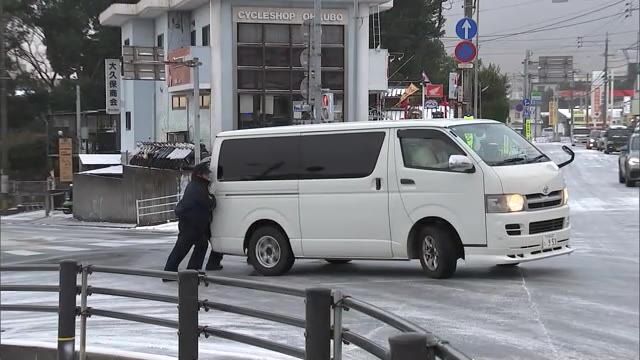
(549, 241)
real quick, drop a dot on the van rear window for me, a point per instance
(326, 156)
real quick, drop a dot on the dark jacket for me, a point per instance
(196, 206)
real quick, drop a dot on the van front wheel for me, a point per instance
(437, 252)
(270, 252)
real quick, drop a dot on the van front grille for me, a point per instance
(539, 227)
(541, 201)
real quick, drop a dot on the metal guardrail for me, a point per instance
(157, 206)
(325, 334)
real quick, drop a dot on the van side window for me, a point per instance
(427, 149)
(336, 156)
(268, 158)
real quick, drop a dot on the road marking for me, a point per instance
(64, 248)
(109, 244)
(22, 252)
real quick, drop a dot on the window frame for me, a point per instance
(439, 134)
(179, 106)
(160, 40)
(206, 35)
(127, 121)
(193, 37)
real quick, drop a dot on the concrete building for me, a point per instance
(251, 72)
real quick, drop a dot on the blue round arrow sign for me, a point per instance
(466, 28)
(466, 51)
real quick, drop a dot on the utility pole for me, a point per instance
(196, 110)
(525, 88)
(606, 83)
(467, 73)
(4, 162)
(78, 119)
(475, 66)
(573, 88)
(316, 61)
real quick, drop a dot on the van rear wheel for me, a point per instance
(270, 252)
(438, 255)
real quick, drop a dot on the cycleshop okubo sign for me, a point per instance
(112, 85)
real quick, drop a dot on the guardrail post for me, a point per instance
(318, 324)
(188, 307)
(67, 310)
(84, 287)
(337, 324)
(410, 346)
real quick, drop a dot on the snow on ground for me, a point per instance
(171, 227)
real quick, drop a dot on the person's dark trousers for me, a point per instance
(188, 237)
(214, 260)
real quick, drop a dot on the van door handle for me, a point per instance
(378, 183)
(407, 182)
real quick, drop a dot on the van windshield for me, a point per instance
(498, 145)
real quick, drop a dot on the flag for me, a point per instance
(425, 78)
(412, 89)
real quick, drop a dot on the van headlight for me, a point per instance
(634, 161)
(505, 203)
(565, 196)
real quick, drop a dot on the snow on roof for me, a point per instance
(100, 159)
(111, 170)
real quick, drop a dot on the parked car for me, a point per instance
(548, 133)
(601, 141)
(592, 141)
(615, 137)
(629, 162)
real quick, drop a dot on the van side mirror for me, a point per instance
(569, 152)
(624, 149)
(461, 163)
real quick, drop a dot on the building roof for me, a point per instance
(360, 125)
(100, 159)
(111, 170)
(118, 14)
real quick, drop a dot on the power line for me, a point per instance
(563, 19)
(543, 29)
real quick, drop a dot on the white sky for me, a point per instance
(513, 16)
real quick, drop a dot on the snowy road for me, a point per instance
(584, 306)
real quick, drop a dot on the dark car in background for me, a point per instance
(592, 141)
(615, 138)
(629, 162)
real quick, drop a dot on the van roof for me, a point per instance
(359, 125)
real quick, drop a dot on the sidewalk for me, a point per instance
(60, 219)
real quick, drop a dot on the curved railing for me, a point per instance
(324, 331)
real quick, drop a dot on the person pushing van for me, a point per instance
(194, 212)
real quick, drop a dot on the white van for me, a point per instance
(434, 191)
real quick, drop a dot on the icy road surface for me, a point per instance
(583, 306)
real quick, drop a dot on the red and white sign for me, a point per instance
(178, 74)
(434, 90)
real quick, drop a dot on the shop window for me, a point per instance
(249, 56)
(276, 34)
(277, 56)
(332, 35)
(205, 35)
(193, 38)
(205, 101)
(333, 80)
(250, 33)
(160, 41)
(249, 110)
(177, 137)
(277, 80)
(250, 79)
(333, 57)
(178, 102)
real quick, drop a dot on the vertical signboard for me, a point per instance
(527, 129)
(65, 156)
(453, 85)
(596, 95)
(553, 113)
(112, 75)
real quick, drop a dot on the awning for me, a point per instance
(179, 154)
(111, 170)
(100, 159)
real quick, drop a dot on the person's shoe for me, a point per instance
(214, 267)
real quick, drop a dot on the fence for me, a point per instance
(161, 208)
(324, 331)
